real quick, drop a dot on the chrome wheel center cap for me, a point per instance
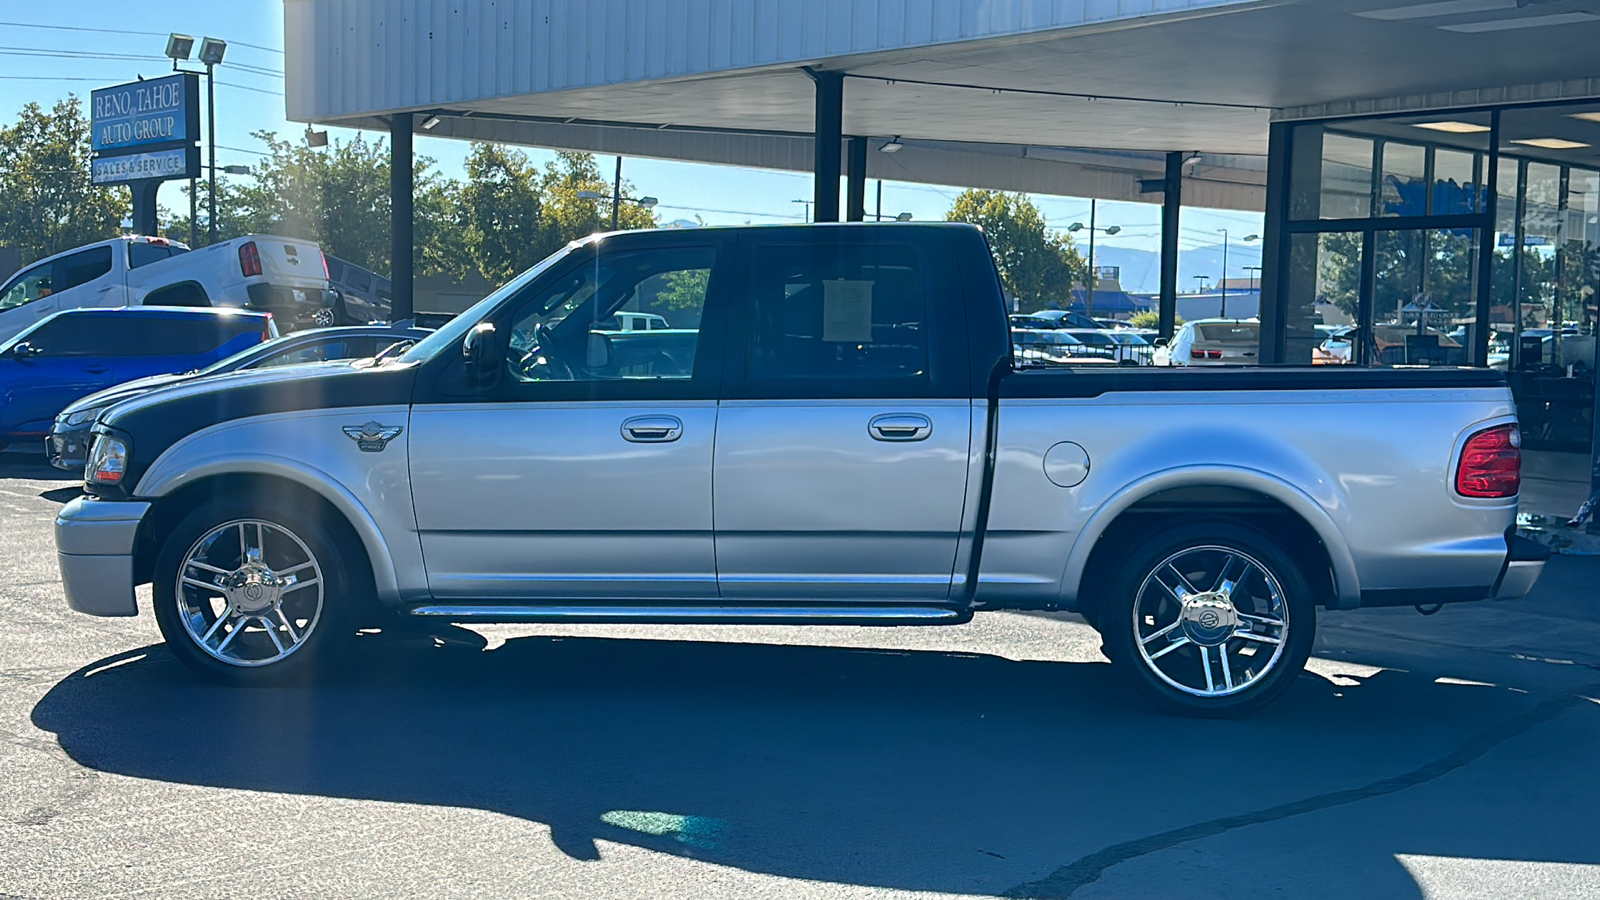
(253, 588)
(1208, 619)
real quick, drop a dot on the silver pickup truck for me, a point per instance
(833, 431)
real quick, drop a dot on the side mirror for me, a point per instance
(24, 350)
(479, 349)
(1162, 342)
(598, 353)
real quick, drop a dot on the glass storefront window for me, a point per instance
(1332, 175)
(1403, 188)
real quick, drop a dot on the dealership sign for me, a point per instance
(146, 129)
(163, 164)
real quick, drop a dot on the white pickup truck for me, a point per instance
(836, 430)
(283, 276)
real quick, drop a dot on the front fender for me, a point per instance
(1347, 586)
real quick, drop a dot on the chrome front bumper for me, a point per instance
(94, 546)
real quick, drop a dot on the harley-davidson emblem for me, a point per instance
(372, 437)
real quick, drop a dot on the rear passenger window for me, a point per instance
(838, 313)
(82, 268)
(181, 337)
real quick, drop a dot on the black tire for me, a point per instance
(1183, 656)
(341, 314)
(319, 639)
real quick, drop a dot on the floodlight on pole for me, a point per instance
(903, 217)
(316, 138)
(212, 50)
(236, 170)
(179, 46)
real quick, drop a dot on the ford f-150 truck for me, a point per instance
(834, 431)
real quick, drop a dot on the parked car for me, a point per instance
(851, 442)
(1049, 346)
(364, 295)
(1212, 342)
(1053, 318)
(67, 444)
(80, 351)
(1124, 347)
(258, 272)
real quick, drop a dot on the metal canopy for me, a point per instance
(981, 93)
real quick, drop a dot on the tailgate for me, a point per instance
(290, 262)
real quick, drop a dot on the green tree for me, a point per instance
(47, 201)
(1151, 318)
(501, 209)
(1036, 266)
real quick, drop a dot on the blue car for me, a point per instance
(79, 351)
(68, 443)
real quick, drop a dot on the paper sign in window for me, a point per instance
(847, 311)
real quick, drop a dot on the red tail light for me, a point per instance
(1205, 354)
(324, 262)
(1491, 463)
(249, 259)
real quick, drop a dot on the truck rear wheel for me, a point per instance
(254, 593)
(1209, 619)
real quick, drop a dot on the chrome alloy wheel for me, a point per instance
(249, 592)
(1214, 641)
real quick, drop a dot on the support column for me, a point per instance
(1171, 204)
(829, 135)
(1274, 250)
(855, 206)
(400, 216)
(144, 205)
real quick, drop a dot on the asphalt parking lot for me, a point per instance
(1448, 756)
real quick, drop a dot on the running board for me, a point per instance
(817, 614)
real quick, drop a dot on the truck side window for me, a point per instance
(838, 313)
(574, 329)
(82, 335)
(27, 287)
(82, 268)
(143, 253)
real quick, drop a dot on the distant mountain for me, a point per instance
(1141, 269)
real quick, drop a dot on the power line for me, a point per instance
(124, 31)
(96, 54)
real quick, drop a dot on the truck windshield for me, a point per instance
(453, 331)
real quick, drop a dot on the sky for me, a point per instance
(50, 50)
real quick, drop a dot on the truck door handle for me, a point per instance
(652, 429)
(900, 427)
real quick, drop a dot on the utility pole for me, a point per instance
(616, 195)
(1224, 282)
(1088, 300)
(211, 142)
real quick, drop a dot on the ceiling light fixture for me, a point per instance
(1453, 127)
(430, 123)
(893, 146)
(1586, 116)
(1551, 143)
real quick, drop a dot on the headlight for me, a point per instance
(81, 417)
(108, 461)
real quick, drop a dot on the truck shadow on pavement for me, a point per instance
(904, 769)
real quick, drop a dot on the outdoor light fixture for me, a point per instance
(1551, 143)
(647, 202)
(1453, 127)
(179, 46)
(211, 50)
(430, 122)
(893, 146)
(903, 217)
(316, 138)
(236, 170)
(1113, 230)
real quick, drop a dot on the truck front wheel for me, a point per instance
(254, 593)
(1209, 619)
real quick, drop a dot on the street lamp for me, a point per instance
(1094, 277)
(1252, 270)
(211, 52)
(1223, 283)
(641, 202)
